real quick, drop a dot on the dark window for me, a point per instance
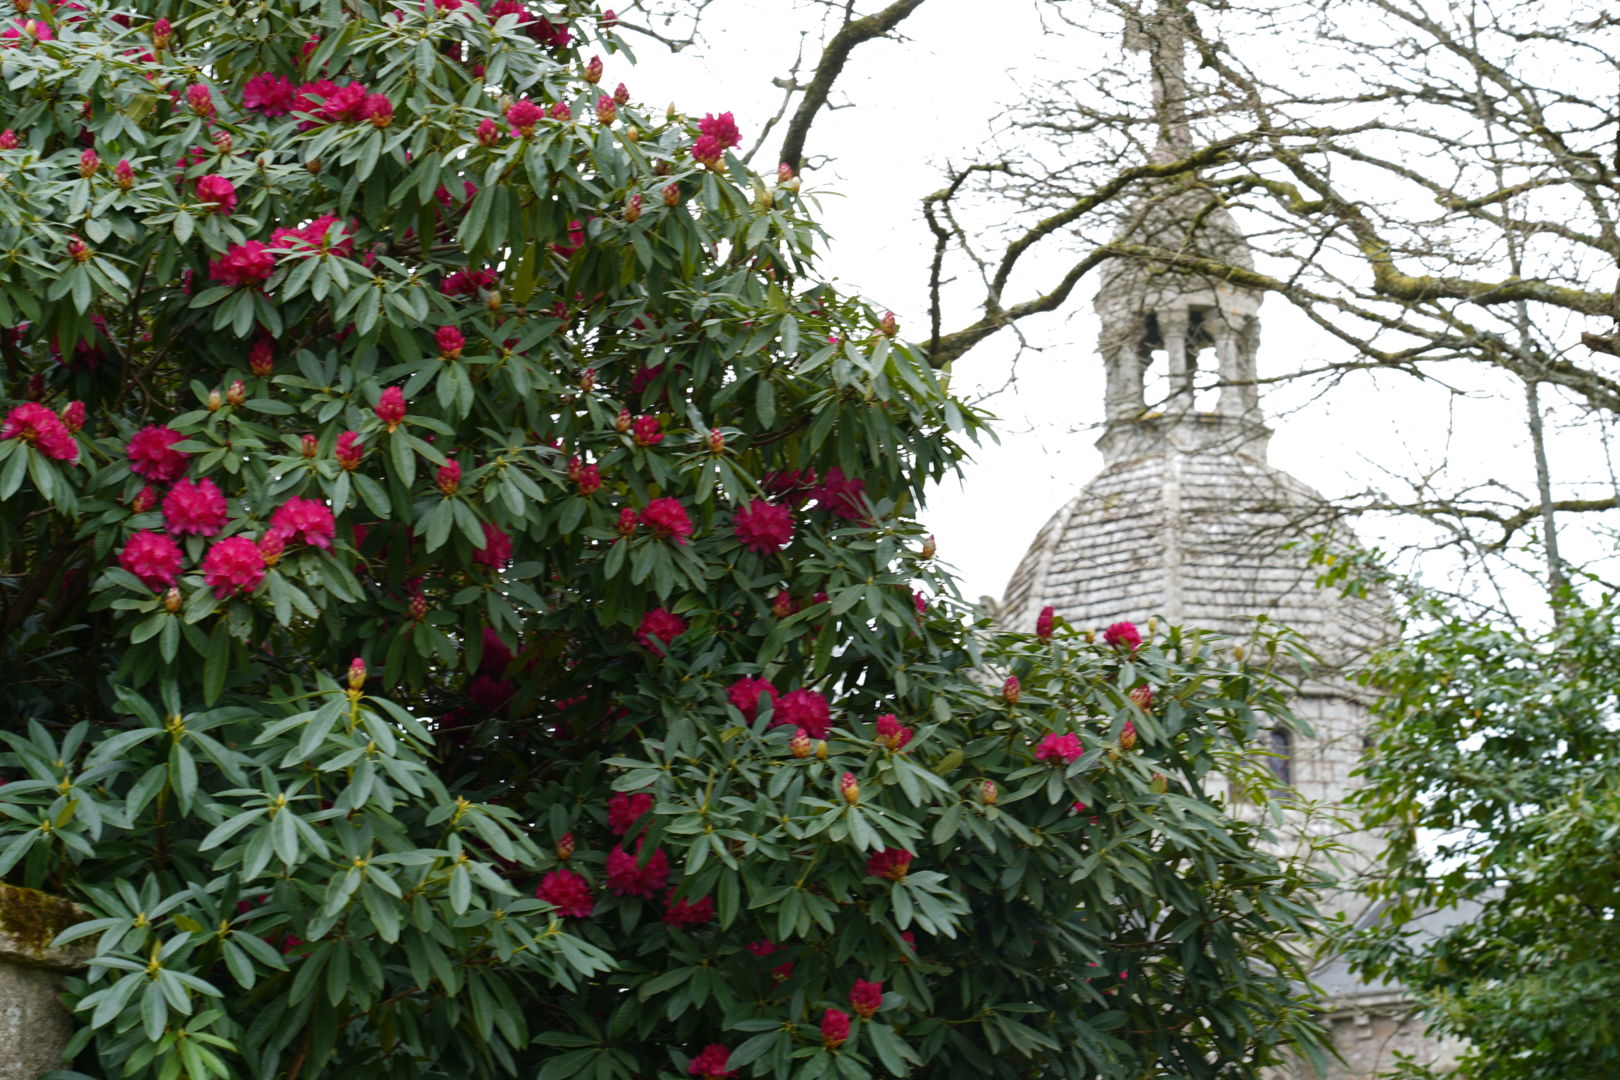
(1279, 746)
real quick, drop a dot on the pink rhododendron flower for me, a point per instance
(1123, 635)
(344, 104)
(842, 495)
(201, 99)
(215, 189)
(681, 913)
(152, 557)
(805, 709)
(763, 526)
(589, 479)
(449, 477)
(73, 417)
(762, 947)
(891, 863)
(626, 878)
(317, 236)
(309, 520)
(497, 549)
(722, 128)
(1059, 748)
(659, 625)
(233, 567)
(706, 151)
(243, 264)
(667, 519)
(523, 114)
(567, 892)
(866, 998)
(270, 95)
(144, 500)
(194, 508)
(744, 696)
(711, 1064)
(390, 407)
(468, 282)
(891, 733)
(626, 808)
(1043, 623)
(489, 693)
(379, 110)
(42, 429)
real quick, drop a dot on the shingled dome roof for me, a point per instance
(1187, 522)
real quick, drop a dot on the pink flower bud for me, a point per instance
(89, 162)
(73, 416)
(593, 70)
(201, 99)
(929, 548)
(357, 674)
(379, 110)
(261, 358)
(450, 477)
(489, 132)
(799, 744)
(77, 250)
(988, 792)
(621, 94)
(8, 139)
(587, 380)
(560, 111)
(1143, 696)
(1043, 624)
(849, 788)
(1127, 736)
(171, 600)
(224, 143)
(834, 1029)
(784, 173)
(782, 604)
(717, 441)
(124, 175)
(390, 408)
(622, 423)
(144, 500)
(565, 847)
(627, 521)
(672, 195)
(418, 606)
(349, 451)
(606, 110)
(1010, 690)
(450, 342)
(236, 393)
(162, 32)
(310, 446)
(632, 209)
(214, 401)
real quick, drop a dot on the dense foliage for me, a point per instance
(463, 615)
(1495, 776)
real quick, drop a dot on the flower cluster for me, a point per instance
(744, 696)
(195, 508)
(763, 526)
(151, 454)
(1123, 635)
(803, 709)
(711, 1064)
(497, 549)
(566, 891)
(1059, 748)
(680, 913)
(42, 429)
(890, 863)
(626, 878)
(661, 626)
(152, 557)
(247, 264)
(717, 134)
(308, 520)
(866, 998)
(667, 519)
(233, 567)
(624, 810)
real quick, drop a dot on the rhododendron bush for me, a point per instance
(464, 614)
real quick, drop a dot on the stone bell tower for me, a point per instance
(1189, 521)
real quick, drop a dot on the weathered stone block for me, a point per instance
(34, 1027)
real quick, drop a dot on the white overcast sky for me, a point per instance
(935, 98)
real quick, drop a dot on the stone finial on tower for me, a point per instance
(1151, 306)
